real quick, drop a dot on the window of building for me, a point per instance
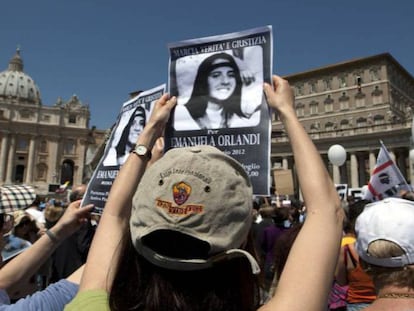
(342, 81)
(361, 122)
(360, 100)
(25, 114)
(72, 118)
(314, 109)
(374, 73)
(2, 114)
(41, 171)
(377, 96)
(329, 127)
(344, 101)
(312, 87)
(379, 119)
(19, 173)
(66, 174)
(299, 89)
(70, 147)
(344, 124)
(22, 144)
(328, 103)
(46, 118)
(300, 110)
(327, 84)
(315, 127)
(43, 146)
(359, 78)
(328, 106)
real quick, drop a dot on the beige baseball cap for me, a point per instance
(193, 208)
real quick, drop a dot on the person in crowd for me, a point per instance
(24, 233)
(128, 137)
(360, 288)
(27, 229)
(262, 221)
(281, 250)
(216, 98)
(54, 209)
(269, 237)
(25, 226)
(72, 253)
(27, 263)
(385, 244)
(174, 238)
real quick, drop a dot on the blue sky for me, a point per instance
(102, 50)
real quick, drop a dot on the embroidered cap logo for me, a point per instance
(181, 192)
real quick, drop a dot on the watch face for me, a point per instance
(141, 150)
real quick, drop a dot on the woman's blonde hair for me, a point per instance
(383, 276)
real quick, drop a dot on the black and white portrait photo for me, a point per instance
(125, 135)
(224, 92)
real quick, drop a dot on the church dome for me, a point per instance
(16, 84)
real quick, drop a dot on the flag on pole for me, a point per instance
(62, 188)
(386, 179)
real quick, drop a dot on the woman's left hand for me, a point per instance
(72, 219)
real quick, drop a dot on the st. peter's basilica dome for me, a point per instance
(14, 83)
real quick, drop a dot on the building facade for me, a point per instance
(43, 146)
(356, 104)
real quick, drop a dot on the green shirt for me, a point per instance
(91, 300)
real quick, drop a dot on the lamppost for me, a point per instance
(337, 156)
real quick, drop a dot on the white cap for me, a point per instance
(391, 219)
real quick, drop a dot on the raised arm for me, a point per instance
(310, 267)
(105, 250)
(27, 263)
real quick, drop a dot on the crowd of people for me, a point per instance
(44, 243)
(182, 231)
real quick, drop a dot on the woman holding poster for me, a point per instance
(174, 236)
(216, 98)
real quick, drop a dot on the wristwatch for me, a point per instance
(142, 151)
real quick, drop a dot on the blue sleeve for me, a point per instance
(4, 298)
(54, 297)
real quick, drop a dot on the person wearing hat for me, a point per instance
(175, 238)
(385, 244)
(26, 264)
(13, 200)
